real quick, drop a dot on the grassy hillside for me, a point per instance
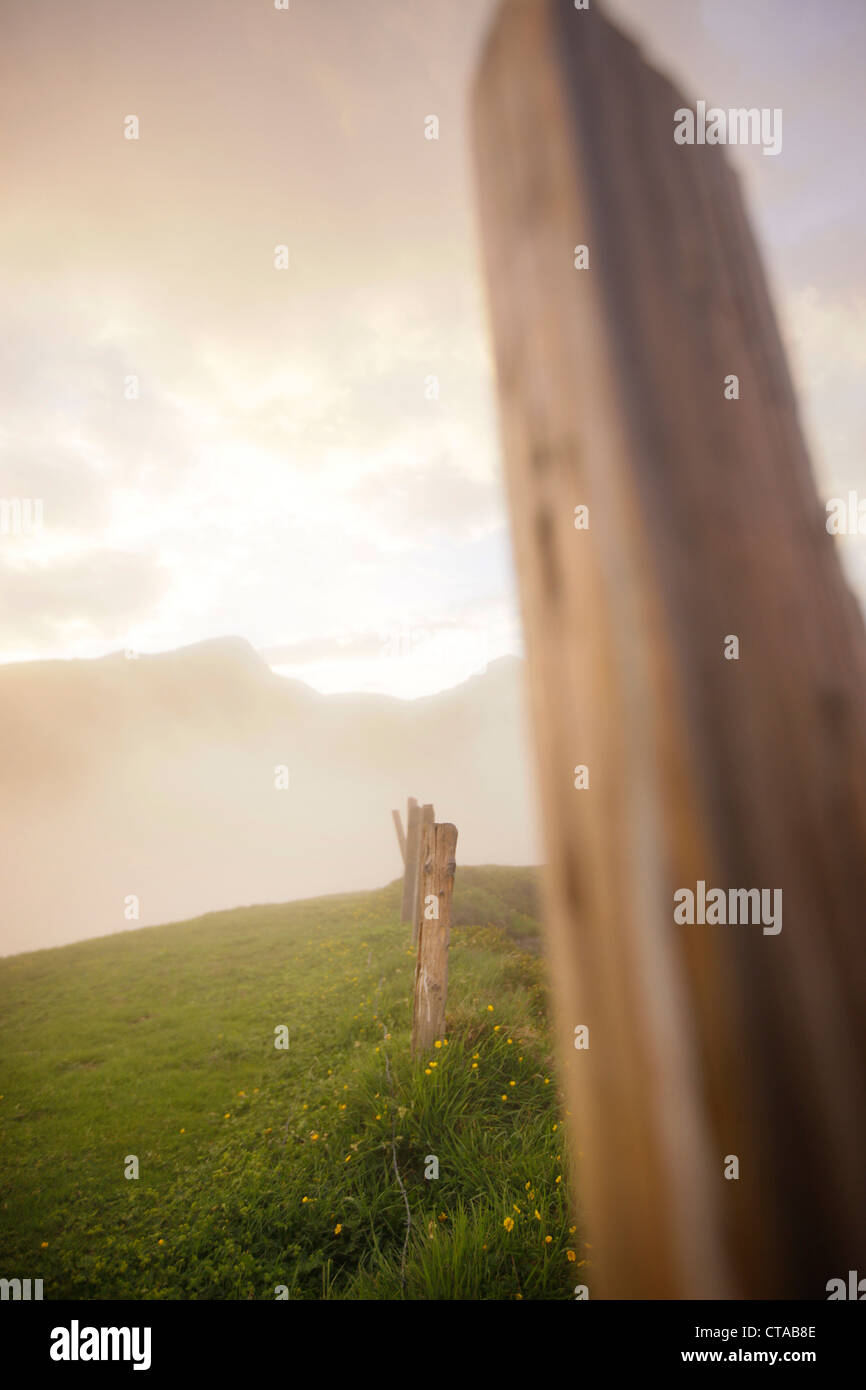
(262, 1168)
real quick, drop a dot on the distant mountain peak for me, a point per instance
(227, 653)
(232, 647)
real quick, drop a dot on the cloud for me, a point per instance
(284, 474)
(83, 600)
(415, 506)
(73, 494)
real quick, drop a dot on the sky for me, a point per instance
(312, 460)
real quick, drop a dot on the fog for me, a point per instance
(156, 777)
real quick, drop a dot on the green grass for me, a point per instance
(160, 1043)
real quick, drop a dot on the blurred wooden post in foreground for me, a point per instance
(705, 1041)
(428, 817)
(411, 860)
(438, 864)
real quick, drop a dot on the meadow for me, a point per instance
(295, 1172)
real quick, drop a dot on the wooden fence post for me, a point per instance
(428, 817)
(401, 837)
(438, 864)
(616, 368)
(410, 873)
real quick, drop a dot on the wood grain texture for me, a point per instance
(427, 817)
(438, 864)
(704, 521)
(410, 874)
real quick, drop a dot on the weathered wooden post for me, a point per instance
(662, 505)
(428, 817)
(410, 874)
(401, 837)
(438, 864)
